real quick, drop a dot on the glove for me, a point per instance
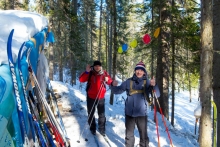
(114, 83)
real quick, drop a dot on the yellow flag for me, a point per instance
(133, 44)
(120, 50)
(157, 32)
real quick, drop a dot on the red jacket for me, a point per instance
(97, 86)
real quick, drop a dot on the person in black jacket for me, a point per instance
(137, 88)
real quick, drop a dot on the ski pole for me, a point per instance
(154, 91)
(155, 116)
(48, 110)
(58, 112)
(93, 106)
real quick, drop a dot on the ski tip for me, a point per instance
(20, 54)
(9, 43)
(12, 31)
(11, 34)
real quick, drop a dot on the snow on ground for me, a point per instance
(74, 98)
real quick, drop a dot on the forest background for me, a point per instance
(185, 54)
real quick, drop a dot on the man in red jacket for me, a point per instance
(96, 78)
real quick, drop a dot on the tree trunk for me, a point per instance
(50, 47)
(11, 4)
(51, 66)
(162, 60)
(91, 39)
(152, 49)
(110, 45)
(61, 68)
(216, 61)
(86, 30)
(188, 76)
(173, 69)
(189, 87)
(115, 46)
(206, 71)
(72, 43)
(106, 41)
(60, 62)
(100, 31)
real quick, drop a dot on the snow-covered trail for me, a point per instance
(74, 98)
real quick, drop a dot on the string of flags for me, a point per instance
(146, 39)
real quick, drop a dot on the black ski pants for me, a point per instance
(141, 122)
(100, 105)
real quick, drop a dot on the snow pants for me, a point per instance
(141, 122)
(100, 105)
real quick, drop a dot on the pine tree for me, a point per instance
(205, 73)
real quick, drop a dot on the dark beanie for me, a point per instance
(97, 63)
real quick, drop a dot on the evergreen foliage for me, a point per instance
(76, 31)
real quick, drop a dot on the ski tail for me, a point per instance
(40, 134)
(49, 136)
(96, 140)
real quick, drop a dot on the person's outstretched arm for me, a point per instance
(118, 89)
(108, 79)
